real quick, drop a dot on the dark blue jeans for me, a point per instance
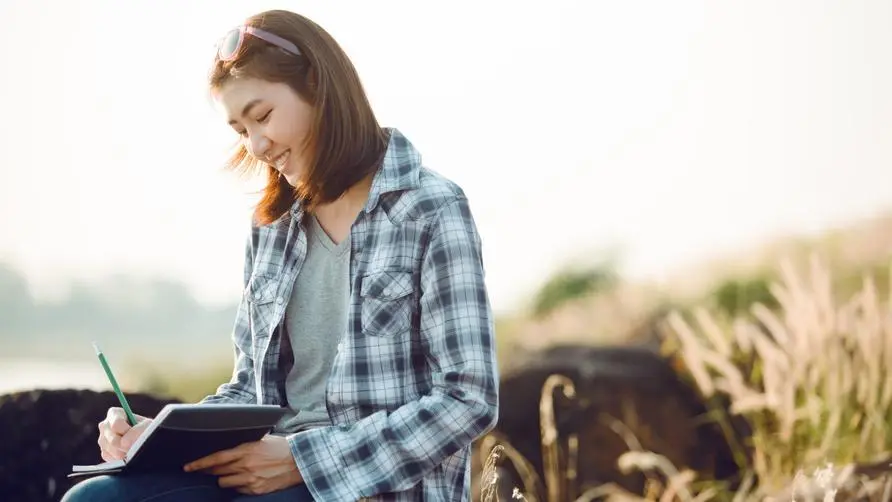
(172, 487)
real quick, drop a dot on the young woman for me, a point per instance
(364, 308)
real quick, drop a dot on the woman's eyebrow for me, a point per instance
(246, 109)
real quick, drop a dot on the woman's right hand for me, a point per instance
(116, 436)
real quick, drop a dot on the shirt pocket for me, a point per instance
(260, 295)
(386, 300)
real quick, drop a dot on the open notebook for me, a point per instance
(181, 433)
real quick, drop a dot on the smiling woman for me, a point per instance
(285, 119)
(303, 114)
(364, 311)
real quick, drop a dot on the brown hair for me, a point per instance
(346, 143)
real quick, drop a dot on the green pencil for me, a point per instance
(111, 378)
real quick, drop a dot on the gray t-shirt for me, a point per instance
(315, 320)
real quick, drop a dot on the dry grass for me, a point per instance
(613, 316)
(812, 379)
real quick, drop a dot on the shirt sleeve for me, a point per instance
(241, 387)
(388, 452)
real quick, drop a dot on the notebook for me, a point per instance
(181, 433)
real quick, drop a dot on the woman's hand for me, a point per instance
(252, 468)
(116, 436)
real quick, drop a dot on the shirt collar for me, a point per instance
(399, 170)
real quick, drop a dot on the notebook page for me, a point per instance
(105, 466)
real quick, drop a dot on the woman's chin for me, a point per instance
(290, 175)
(291, 179)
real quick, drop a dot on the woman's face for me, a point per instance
(272, 120)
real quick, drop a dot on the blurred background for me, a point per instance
(622, 159)
(619, 156)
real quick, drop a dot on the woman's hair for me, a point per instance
(345, 142)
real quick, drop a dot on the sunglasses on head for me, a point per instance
(230, 44)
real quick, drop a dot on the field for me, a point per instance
(795, 335)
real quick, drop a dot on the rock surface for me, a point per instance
(632, 385)
(45, 432)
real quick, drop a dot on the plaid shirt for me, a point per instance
(415, 380)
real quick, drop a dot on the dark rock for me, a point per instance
(45, 432)
(632, 385)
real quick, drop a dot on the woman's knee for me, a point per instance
(155, 487)
(98, 489)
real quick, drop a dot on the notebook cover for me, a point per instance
(190, 432)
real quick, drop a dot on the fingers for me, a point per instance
(117, 420)
(236, 480)
(110, 432)
(215, 459)
(133, 433)
(108, 449)
(225, 469)
(112, 443)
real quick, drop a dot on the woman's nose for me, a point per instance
(259, 146)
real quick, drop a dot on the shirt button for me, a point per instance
(279, 300)
(340, 346)
(257, 295)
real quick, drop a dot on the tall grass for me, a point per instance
(813, 379)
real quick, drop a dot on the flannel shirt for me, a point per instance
(415, 380)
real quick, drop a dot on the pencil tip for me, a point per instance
(96, 347)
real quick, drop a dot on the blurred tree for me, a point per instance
(120, 309)
(572, 283)
(735, 296)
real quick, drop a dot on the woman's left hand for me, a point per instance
(252, 468)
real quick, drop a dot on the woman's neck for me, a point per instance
(350, 203)
(336, 218)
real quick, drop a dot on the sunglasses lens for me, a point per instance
(230, 45)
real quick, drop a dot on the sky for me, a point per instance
(673, 131)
